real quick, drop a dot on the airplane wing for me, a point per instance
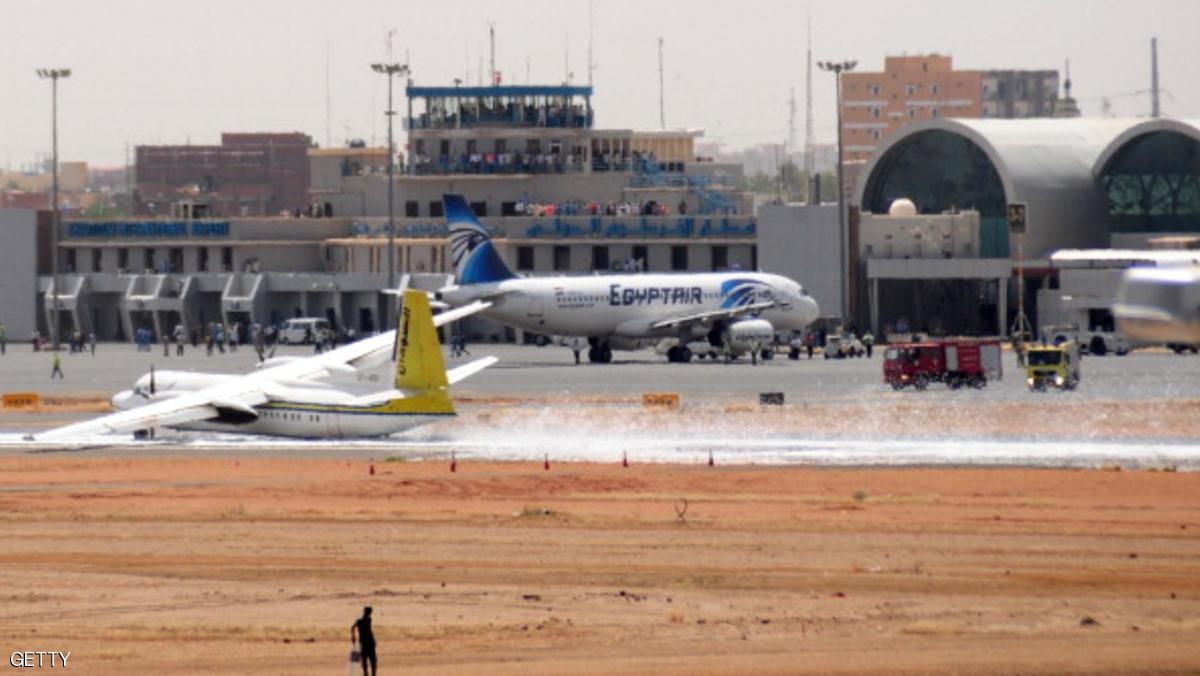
(465, 371)
(712, 315)
(348, 358)
(238, 396)
(241, 395)
(452, 376)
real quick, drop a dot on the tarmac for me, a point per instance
(536, 403)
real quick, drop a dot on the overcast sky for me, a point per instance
(166, 72)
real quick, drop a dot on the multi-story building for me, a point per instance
(559, 197)
(247, 175)
(917, 88)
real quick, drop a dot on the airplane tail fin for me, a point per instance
(476, 260)
(417, 352)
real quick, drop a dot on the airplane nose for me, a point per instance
(810, 310)
(125, 400)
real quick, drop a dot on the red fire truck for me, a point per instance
(954, 362)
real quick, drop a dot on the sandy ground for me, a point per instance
(175, 566)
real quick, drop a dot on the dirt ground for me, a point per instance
(174, 566)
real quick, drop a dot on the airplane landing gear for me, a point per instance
(601, 354)
(679, 354)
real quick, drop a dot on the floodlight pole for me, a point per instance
(837, 69)
(53, 74)
(391, 70)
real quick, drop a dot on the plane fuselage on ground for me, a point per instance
(633, 306)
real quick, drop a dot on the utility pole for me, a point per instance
(1155, 110)
(662, 115)
(810, 161)
(837, 69)
(492, 48)
(391, 70)
(590, 65)
(54, 74)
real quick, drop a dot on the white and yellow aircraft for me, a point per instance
(285, 396)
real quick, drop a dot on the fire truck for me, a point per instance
(957, 363)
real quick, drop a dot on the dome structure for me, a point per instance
(987, 164)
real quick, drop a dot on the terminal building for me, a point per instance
(560, 197)
(930, 246)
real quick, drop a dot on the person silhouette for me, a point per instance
(366, 640)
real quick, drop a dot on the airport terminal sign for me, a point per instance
(147, 229)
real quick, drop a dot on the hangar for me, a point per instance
(1088, 184)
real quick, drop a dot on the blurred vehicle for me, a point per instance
(846, 345)
(303, 330)
(1052, 366)
(956, 363)
(1160, 305)
(1095, 342)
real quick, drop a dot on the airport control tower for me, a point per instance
(510, 145)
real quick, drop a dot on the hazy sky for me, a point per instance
(163, 71)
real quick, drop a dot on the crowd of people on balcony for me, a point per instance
(506, 162)
(482, 112)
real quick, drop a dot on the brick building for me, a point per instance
(247, 175)
(917, 88)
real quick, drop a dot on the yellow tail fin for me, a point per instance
(418, 354)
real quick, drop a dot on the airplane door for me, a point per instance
(333, 426)
(537, 307)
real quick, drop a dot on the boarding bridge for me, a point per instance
(243, 298)
(74, 287)
(158, 301)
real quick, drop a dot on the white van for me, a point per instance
(303, 330)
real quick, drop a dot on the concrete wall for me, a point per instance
(935, 236)
(18, 272)
(801, 242)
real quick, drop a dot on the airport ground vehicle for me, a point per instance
(1054, 366)
(1094, 342)
(953, 362)
(303, 330)
(840, 347)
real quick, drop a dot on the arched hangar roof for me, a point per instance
(1187, 128)
(1046, 163)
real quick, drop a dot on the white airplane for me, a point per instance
(284, 396)
(742, 309)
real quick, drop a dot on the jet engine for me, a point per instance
(744, 335)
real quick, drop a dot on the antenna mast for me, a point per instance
(328, 101)
(1155, 110)
(492, 44)
(590, 66)
(791, 141)
(662, 115)
(810, 162)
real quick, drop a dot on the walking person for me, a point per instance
(577, 347)
(57, 370)
(361, 633)
(868, 341)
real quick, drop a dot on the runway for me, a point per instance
(536, 405)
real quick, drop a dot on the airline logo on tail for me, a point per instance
(476, 260)
(741, 292)
(418, 354)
